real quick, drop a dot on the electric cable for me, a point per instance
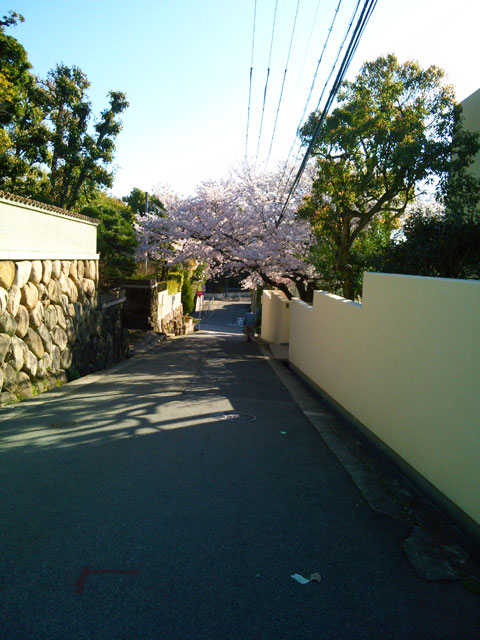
(266, 81)
(283, 83)
(338, 54)
(325, 44)
(368, 7)
(355, 11)
(307, 49)
(251, 74)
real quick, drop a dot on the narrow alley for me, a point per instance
(177, 493)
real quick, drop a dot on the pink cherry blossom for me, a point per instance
(235, 225)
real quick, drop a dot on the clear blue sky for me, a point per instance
(184, 65)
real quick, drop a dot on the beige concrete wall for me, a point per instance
(406, 364)
(471, 113)
(275, 317)
(28, 232)
(167, 303)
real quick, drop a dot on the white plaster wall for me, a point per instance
(167, 303)
(406, 364)
(28, 232)
(275, 317)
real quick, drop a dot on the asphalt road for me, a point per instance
(142, 471)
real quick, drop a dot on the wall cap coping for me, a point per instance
(35, 204)
(131, 283)
(51, 255)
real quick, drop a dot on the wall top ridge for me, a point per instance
(10, 197)
(454, 282)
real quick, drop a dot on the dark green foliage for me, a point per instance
(49, 148)
(443, 242)
(436, 244)
(116, 241)
(365, 255)
(162, 285)
(78, 160)
(136, 201)
(23, 132)
(395, 127)
(198, 274)
(188, 296)
(459, 189)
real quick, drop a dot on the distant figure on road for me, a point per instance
(249, 320)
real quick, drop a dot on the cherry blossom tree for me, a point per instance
(238, 224)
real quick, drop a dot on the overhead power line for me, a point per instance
(368, 7)
(342, 44)
(325, 44)
(266, 81)
(338, 54)
(307, 49)
(251, 74)
(283, 82)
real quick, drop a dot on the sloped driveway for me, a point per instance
(174, 497)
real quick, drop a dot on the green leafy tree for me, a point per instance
(437, 243)
(79, 160)
(442, 239)
(23, 134)
(459, 188)
(365, 255)
(188, 295)
(136, 201)
(153, 266)
(116, 241)
(392, 131)
(49, 149)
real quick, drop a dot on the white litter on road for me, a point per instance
(315, 577)
(300, 579)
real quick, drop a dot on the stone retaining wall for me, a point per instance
(173, 323)
(149, 309)
(53, 326)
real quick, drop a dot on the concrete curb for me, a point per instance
(433, 546)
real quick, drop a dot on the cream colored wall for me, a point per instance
(167, 303)
(471, 113)
(28, 232)
(275, 317)
(406, 364)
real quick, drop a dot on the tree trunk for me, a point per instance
(305, 291)
(276, 285)
(344, 260)
(347, 286)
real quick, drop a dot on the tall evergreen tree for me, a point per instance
(49, 148)
(78, 160)
(393, 129)
(23, 132)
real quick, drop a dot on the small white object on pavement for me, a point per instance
(300, 579)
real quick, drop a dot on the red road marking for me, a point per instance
(81, 580)
(86, 571)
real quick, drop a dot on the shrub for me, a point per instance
(174, 282)
(188, 299)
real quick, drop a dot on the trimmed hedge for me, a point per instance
(174, 282)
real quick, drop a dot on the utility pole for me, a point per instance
(146, 211)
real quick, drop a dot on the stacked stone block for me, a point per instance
(173, 323)
(52, 327)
